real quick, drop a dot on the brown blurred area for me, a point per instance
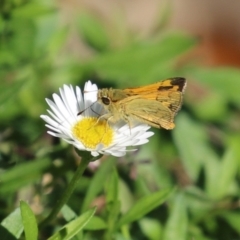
(214, 22)
(217, 23)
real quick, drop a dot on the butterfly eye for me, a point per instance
(106, 100)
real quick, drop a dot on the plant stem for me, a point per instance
(69, 190)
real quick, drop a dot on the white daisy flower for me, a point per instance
(75, 118)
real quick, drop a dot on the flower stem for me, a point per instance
(69, 190)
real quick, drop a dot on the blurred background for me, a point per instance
(45, 44)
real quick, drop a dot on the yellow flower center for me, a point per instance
(91, 131)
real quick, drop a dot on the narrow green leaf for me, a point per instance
(189, 138)
(192, 142)
(93, 32)
(29, 221)
(113, 213)
(98, 181)
(197, 202)
(141, 60)
(125, 196)
(176, 227)
(9, 90)
(224, 80)
(210, 107)
(144, 206)
(72, 228)
(31, 10)
(164, 16)
(228, 168)
(22, 174)
(68, 213)
(95, 223)
(233, 219)
(11, 226)
(57, 40)
(112, 186)
(151, 228)
(113, 204)
(22, 169)
(211, 168)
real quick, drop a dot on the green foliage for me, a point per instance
(72, 228)
(11, 226)
(93, 32)
(133, 197)
(158, 56)
(29, 221)
(176, 226)
(143, 206)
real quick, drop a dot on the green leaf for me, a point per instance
(22, 174)
(93, 32)
(233, 219)
(29, 221)
(31, 10)
(144, 206)
(8, 91)
(164, 16)
(151, 228)
(68, 213)
(95, 223)
(72, 228)
(192, 142)
(176, 227)
(98, 182)
(11, 227)
(112, 186)
(114, 210)
(46, 27)
(125, 196)
(224, 80)
(197, 202)
(142, 62)
(228, 168)
(57, 40)
(211, 106)
(113, 204)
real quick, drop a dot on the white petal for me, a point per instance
(62, 109)
(79, 100)
(58, 112)
(141, 142)
(69, 100)
(90, 97)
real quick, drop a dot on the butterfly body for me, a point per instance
(155, 104)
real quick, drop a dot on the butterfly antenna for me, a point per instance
(87, 108)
